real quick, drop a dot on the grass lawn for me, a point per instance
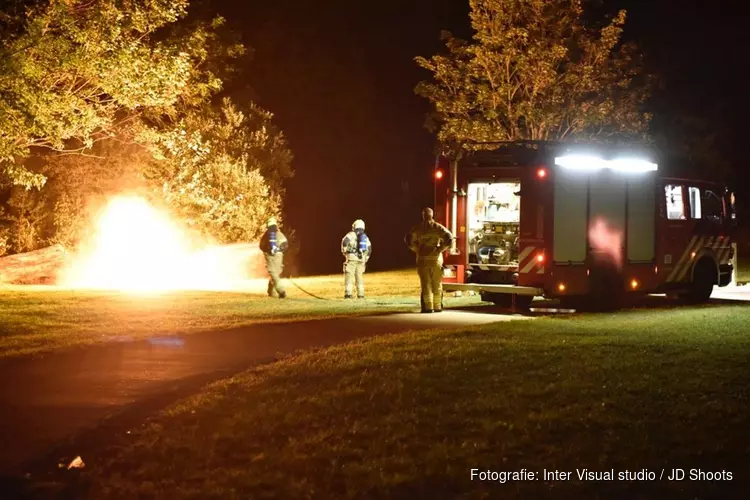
(408, 416)
(38, 318)
(743, 268)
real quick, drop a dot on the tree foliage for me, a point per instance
(221, 170)
(208, 168)
(21, 222)
(79, 70)
(101, 96)
(535, 71)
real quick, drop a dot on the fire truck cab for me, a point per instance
(579, 224)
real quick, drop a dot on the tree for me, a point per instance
(221, 171)
(111, 95)
(534, 71)
(217, 168)
(73, 72)
(21, 222)
(77, 186)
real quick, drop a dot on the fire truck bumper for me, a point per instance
(479, 287)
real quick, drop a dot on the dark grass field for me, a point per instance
(409, 416)
(743, 268)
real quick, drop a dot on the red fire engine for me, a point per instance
(545, 219)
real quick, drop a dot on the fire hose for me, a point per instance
(291, 280)
(305, 291)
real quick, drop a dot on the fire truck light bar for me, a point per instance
(586, 162)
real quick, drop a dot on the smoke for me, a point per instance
(606, 243)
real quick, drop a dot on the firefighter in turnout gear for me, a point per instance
(357, 249)
(273, 244)
(429, 240)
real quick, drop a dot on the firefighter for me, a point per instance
(429, 240)
(273, 244)
(357, 249)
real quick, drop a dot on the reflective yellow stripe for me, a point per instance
(529, 266)
(680, 263)
(525, 253)
(689, 264)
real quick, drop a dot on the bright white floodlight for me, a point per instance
(580, 162)
(633, 165)
(589, 162)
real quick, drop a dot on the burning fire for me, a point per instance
(137, 248)
(607, 242)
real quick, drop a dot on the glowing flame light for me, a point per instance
(137, 248)
(606, 241)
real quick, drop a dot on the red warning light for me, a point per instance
(541, 173)
(438, 174)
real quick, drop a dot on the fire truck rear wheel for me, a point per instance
(704, 279)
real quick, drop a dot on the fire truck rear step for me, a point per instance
(479, 287)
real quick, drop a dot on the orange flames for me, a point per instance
(137, 248)
(606, 242)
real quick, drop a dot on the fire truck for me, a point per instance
(583, 225)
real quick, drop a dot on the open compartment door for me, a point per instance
(493, 222)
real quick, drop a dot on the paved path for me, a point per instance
(45, 402)
(738, 293)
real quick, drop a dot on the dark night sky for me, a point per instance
(340, 80)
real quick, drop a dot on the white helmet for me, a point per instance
(358, 224)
